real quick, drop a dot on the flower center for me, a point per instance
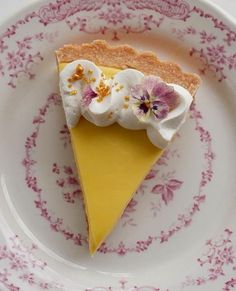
(147, 103)
(103, 90)
(144, 107)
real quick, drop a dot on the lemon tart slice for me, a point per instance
(123, 107)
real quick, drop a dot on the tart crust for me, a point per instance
(124, 56)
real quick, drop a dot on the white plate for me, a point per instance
(178, 233)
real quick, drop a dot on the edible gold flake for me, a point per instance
(73, 92)
(78, 75)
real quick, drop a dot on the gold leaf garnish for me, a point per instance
(74, 92)
(78, 75)
(79, 71)
(120, 87)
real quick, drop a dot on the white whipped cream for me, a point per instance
(113, 107)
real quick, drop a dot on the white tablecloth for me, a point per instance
(9, 7)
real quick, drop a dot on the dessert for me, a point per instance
(122, 107)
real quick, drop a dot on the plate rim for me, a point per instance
(208, 3)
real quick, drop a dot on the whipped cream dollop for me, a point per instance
(130, 98)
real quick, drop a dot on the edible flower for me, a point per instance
(102, 91)
(87, 95)
(153, 98)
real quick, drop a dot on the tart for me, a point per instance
(123, 107)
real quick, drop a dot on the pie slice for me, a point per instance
(122, 107)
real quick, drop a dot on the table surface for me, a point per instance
(12, 6)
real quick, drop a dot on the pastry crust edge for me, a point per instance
(125, 56)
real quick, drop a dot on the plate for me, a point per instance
(178, 232)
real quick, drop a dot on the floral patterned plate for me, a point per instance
(178, 232)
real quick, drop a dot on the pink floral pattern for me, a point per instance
(168, 154)
(180, 33)
(18, 265)
(126, 217)
(174, 9)
(21, 265)
(216, 54)
(213, 55)
(214, 60)
(207, 37)
(219, 255)
(114, 15)
(229, 34)
(229, 285)
(61, 10)
(166, 190)
(65, 135)
(56, 223)
(68, 182)
(20, 61)
(119, 23)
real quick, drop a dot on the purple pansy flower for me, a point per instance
(153, 98)
(87, 95)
